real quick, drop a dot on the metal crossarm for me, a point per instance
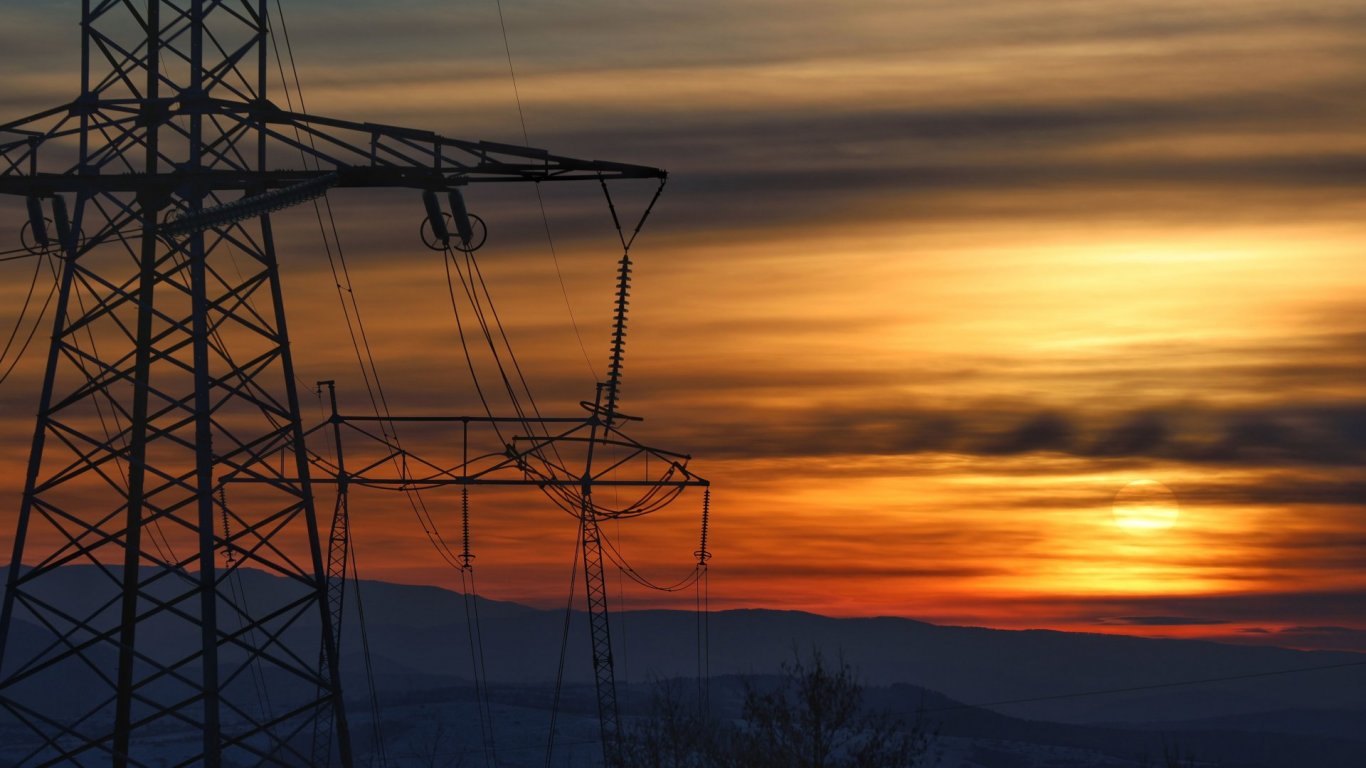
(360, 154)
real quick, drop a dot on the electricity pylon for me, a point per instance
(169, 369)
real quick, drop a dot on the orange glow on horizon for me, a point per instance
(928, 300)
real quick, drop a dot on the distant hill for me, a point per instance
(423, 630)
(419, 641)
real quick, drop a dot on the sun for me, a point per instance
(1145, 506)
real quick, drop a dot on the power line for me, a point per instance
(375, 722)
(18, 324)
(360, 341)
(540, 200)
(564, 646)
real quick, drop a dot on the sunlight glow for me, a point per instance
(1145, 506)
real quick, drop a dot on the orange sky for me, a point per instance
(930, 284)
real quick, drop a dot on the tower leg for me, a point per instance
(604, 678)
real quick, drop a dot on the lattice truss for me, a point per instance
(170, 370)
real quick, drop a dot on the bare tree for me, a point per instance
(1173, 756)
(433, 744)
(812, 717)
(815, 718)
(677, 733)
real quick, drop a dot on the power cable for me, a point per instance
(257, 675)
(23, 309)
(473, 629)
(484, 310)
(476, 640)
(460, 331)
(619, 560)
(376, 393)
(564, 647)
(375, 724)
(621, 610)
(15, 254)
(540, 200)
(358, 336)
(473, 285)
(472, 265)
(19, 354)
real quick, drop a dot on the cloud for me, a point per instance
(1042, 432)
(1143, 433)
(844, 189)
(1333, 638)
(1324, 638)
(1255, 608)
(651, 32)
(807, 570)
(1275, 436)
(1320, 630)
(810, 112)
(1158, 621)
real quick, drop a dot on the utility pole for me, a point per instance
(169, 369)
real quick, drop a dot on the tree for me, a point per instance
(1173, 757)
(433, 744)
(675, 734)
(813, 716)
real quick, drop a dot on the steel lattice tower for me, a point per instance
(169, 376)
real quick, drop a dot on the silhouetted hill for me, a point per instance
(420, 647)
(970, 664)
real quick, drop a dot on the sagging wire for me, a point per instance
(481, 685)
(19, 323)
(378, 400)
(476, 292)
(540, 199)
(658, 497)
(615, 555)
(243, 610)
(473, 627)
(376, 726)
(358, 335)
(564, 645)
(699, 571)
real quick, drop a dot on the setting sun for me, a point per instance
(1145, 506)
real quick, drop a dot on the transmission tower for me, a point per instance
(169, 370)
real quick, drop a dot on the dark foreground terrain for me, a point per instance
(950, 680)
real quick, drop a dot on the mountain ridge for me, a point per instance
(423, 628)
(1086, 699)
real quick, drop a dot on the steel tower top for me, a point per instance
(194, 73)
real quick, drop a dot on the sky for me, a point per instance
(934, 292)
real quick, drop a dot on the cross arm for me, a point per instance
(355, 154)
(457, 161)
